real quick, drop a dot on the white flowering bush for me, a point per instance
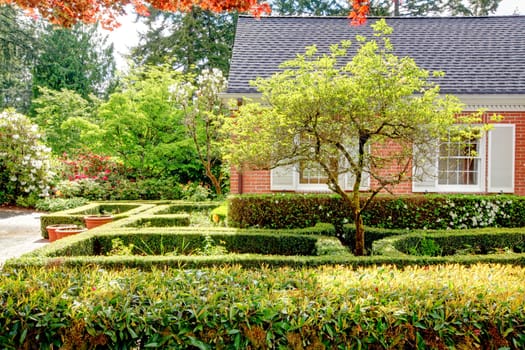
(482, 213)
(25, 162)
(204, 113)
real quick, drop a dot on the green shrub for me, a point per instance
(218, 215)
(26, 163)
(441, 307)
(448, 243)
(401, 212)
(59, 204)
(162, 221)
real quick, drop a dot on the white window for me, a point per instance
(310, 177)
(460, 164)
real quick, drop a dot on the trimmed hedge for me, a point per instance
(399, 212)
(162, 221)
(478, 307)
(451, 242)
(119, 211)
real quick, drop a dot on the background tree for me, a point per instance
(190, 41)
(78, 59)
(310, 7)
(454, 7)
(360, 119)
(142, 126)
(18, 47)
(67, 119)
(204, 113)
(362, 8)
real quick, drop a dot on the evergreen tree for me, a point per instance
(190, 41)
(17, 47)
(78, 59)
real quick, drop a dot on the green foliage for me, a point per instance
(25, 162)
(19, 46)
(506, 242)
(427, 247)
(79, 59)
(59, 204)
(191, 41)
(335, 115)
(454, 7)
(293, 308)
(204, 114)
(142, 127)
(163, 221)
(67, 119)
(309, 7)
(218, 215)
(402, 212)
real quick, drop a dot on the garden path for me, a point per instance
(19, 233)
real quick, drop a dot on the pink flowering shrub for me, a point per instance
(92, 166)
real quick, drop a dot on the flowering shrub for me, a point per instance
(91, 166)
(25, 161)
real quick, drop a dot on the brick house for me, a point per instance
(484, 63)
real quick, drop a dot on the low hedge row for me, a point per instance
(169, 220)
(119, 210)
(404, 212)
(443, 243)
(477, 307)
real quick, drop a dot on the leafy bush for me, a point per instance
(402, 212)
(334, 307)
(147, 189)
(25, 162)
(59, 204)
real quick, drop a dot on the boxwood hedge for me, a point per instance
(402, 212)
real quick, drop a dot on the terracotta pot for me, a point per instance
(64, 232)
(93, 221)
(51, 230)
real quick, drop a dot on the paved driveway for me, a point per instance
(19, 233)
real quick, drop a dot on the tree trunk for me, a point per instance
(359, 234)
(359, 226)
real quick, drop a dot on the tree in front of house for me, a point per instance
(356, 123)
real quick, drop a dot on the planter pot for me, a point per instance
(64, 232)
(51, 230)
(93, 221)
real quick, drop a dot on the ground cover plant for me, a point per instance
(382, 307)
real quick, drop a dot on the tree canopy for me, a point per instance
(351, 121)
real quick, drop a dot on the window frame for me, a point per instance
(435, 186)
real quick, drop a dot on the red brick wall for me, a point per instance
(253, 181)
(258, 181)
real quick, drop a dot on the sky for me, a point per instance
(126, 36)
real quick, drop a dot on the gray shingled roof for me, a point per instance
(479, 55)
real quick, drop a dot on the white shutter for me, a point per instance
(501, 158)
(425, 173)
(283, 178)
